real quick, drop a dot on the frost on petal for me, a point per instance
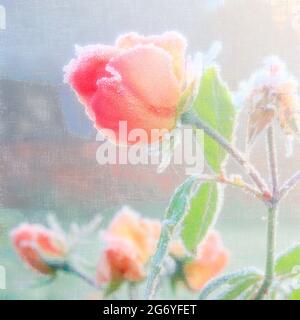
(114, 102)
(83, 72)
(173, 42)
(147, 72)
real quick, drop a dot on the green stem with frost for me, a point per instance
(192, 119)
(272, 217)
(271, 237)
(169, 226)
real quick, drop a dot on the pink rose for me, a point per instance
(139, 81)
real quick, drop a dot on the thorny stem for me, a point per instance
(272, 217)
(190, 118)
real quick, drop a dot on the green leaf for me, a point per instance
(180, 200)
(178, 206)
(288, 261)
(201, 215)
(232, 285)
(240, 286)
(213, 104)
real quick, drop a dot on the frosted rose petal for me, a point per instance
(147, 72)
(173, 42)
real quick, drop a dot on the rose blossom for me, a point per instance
(130, 242)
(139, 80)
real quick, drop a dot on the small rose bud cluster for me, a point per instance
(127, 245)
(131, 241)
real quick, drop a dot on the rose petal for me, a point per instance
(259, 119)
(147, 72)
(83, 72)
(173, 42)
(113, 103)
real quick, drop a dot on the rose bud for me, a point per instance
(139, 80)
(120, 261)
(36, 245)
(195, 272)
(211, 259)
(130, 242)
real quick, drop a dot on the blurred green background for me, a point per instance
(48, 147)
